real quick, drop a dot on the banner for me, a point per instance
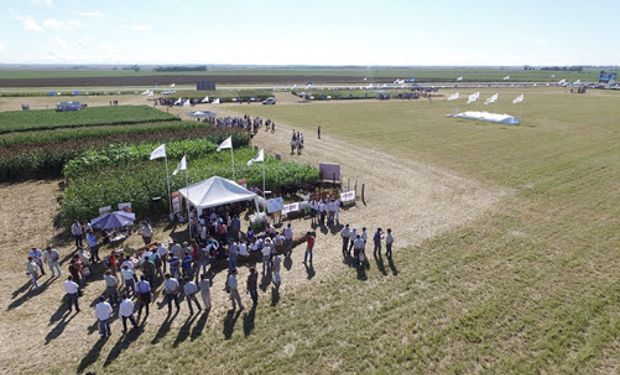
(275, 205)
(347, 196)
(329, 172)
(289, 208)
(176, 201)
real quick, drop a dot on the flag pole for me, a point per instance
(232, 156)
(168, 183)
(189, 223)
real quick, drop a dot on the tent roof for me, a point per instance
(488, 117)
(216, 191)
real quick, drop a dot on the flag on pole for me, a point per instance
(159, 152)
(225, 145)
(506, 78)
(187, 103)
(473, 97)
(454, 96)
(562, 81)
(182, 166)
(518, 99)
(459, 78)
(172, 85)
(216, 101)
(259, 158)
(178, 101)
(491, 99)
(205, 100)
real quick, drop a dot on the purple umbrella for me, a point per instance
(116, 219)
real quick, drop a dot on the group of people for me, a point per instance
(246, 122)
(297, 142)
(356, 242)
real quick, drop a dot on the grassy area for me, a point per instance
(428, 74)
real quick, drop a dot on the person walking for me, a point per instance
(376, 239)
(111, 287)
(190, 289)
(252, 285)
(104, 311)
(171, 292)
(72, 290)
(52, 258)
(309, 247)
(318, 131)
(32, 270)
(288, 240)
(205, 291)
(345, 233)
(389, 241)
(275, 266)
(76, 232)
(125, 311)
(144, 294)
(234, 291)
(37, 257)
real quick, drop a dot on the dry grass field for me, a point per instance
(507, 259)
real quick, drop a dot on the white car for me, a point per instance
(269, 101)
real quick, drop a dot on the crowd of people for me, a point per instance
(297, 142)
(251, 125)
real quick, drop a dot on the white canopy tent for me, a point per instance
(217, 191)
(488, 117)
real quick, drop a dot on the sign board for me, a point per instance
(125, 207)
(105, 210)
(329, 172)
(290, 208)
(275, 205)
(347, 196)
(176, 201)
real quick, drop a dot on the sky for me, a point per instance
(316, 32)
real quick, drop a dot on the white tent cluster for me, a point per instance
(488, 117)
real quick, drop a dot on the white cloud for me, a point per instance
(95, 13)
(2, 47)
(54, 24)
(141, 28)
(47, 3)
(60, 42)
(29, 23)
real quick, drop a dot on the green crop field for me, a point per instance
(50, 119)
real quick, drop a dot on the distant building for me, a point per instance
(205, 85)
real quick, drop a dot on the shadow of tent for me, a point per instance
(248, 321)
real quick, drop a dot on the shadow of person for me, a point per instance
(33, 292)
(229, 323)
(265, 281)
(361, 273)
(92, 355)
(335, 229)
(309, 270)
(122, 344)
(200, 325)
(324, 229)
(164, 328)
(60, 311)
(248, 321)
(392, 266)
(184, 331)
(275, 295)
(21, 289)
(380, 265)
(59, 328)
(288, 263)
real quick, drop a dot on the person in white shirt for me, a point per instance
(358, 250)
(266, 251)
(364, 235)
(52, 257)
(275, 266)
(337, 211)
(243, 250)
(72, 289)
(389, 241)
(352, 238)
(233, 290)
(345, 233)
(104, 311)
(32, 270)
(146, 231)
(128, 277)
(76, 231)
(205, 291)
(37, 257)
(125, 311)
(162, 251)
(171, 292)
(322, 212)
(190, 289)
(288, 240)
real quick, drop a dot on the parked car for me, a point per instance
(269, 101)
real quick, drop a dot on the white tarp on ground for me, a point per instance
(488, 117)
(216, 191)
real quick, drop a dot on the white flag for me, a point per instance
(258, 158)
(506, 78)
(562, 81)
(178, 101)
(172, 85)
(454, 96)
(518, 99)
(460, 78)
(216, 101)
(553, 76)
(205, 100)
(473, 97)
(182, 166)
(159, 152)
(225, 145)
(491, 99)
(146, 92)
(187, 103)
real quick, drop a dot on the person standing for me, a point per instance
(148, 268)
(190, 289)
(76, 232)
(358, 250)
(389, 241)
(322, 212)
(37, 257)
(376, 239)
(187, 265)
(146, 230)
(173, 262)
(72, 290)
(309, 247)
(345, 233)
(352, 238)
(266, 252)
(234, 291)
(364, 235)
(144, 294)
(288, 240)
(275, 266)
(318, 131)
(111, 287)
(32, 270)
(104, 311)
(125, 311)
(91, 241)
(171, 292)
(252, 285)
(205, 291)
(52, 258)
(128, 278)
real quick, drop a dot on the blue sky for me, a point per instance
(317, 32)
